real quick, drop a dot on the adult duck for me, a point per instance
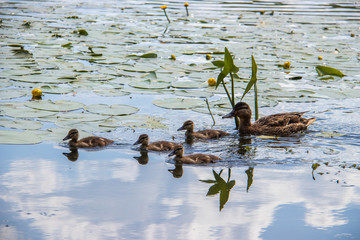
(281, 124)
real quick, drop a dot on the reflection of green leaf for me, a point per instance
(220, 186)
(213, 190)
(324, 70)
(250, 174)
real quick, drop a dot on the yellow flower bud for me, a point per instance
(212, 82)
(208, 56)
(287, 65)
(36, 92)
(320, 57)
(163, 7)
(173, 57)
(186, 4)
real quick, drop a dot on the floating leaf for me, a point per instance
(11, 93)
(56, 89)
(57, 106)
(324, 70)
(18, 137)
(218, 63)
(188, 84)
(193, 93)
(135, 121)
(113, 110)
(18, 109)
(149, 84)
(20, 124)
(178, 103)
(149, 55)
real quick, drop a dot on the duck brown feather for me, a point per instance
(203, 134)
(193, 158)
(281, 124)
(155, 146)
(87, 142)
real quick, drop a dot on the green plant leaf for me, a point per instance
(324, 70)
(57, 106)
(113, 110)
(178, 103)
(218, 63)
(149, 55)
(19, 137)
(253, 77)
(208, 181)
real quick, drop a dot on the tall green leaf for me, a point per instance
(253, 77)
(324, 70)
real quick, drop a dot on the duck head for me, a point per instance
(143, 140)
(73, 134)
(178, 151)
(241, 110)
(188, 125)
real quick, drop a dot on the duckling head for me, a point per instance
(72, 134)
(178, 151)
(241, 110)
(143, 140)
(188, 125)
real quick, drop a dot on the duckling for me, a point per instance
(193, 158)
(281, 124)
(87, 142)
(155, 146)
(204, 134)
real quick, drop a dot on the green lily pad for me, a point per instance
(193, 93)
(113, 110)
(178, 103)
(11, 93)
(149, 84)
(18, 110)
(188, 84)
(57, 106)
(56, 89)
(110, 92)
(72, 117)
(324, 70)
(20, 124)
(135, 121)
(18, 137)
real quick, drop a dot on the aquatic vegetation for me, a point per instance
(36, 94)
(211, 81)
(186, 5)
(325, 70)
(220, 186)
(164, 7)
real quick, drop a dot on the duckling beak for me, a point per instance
(229, 115)
(137, 142)
(181, 128)
(172, 154)
(66, 138)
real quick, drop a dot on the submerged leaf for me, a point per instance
(324, 70)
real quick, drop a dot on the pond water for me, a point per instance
(300, 187)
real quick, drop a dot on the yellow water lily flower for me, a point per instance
(36, 92)
(173, 57)
(186, 4)
(208, 56)
(212, 82)
(287, 65)
(320, 57)
(163, 7)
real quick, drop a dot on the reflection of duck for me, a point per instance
(204, 134)
(178, 171)
(143, 159)
(155, 146)
(87, 142)
(193, 158)
(281, 124)
(73, 155)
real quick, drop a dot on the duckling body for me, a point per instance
(88, 142)
(193, 158)
(203, 134)
(155, 146)
(281, 124)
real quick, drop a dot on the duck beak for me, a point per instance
(182, 128)
(229, 115)
(172, 154)
(66, 138)
(137, 142)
